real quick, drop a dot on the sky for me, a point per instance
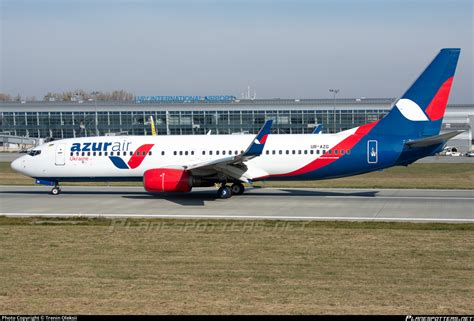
(285, 49)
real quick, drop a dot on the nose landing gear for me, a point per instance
(56, 190)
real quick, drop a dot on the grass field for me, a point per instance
(437, 176)
(58, 266)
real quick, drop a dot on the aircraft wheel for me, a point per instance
(55, 191)
(237, 189)
(224, 192)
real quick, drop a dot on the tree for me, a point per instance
(81, 94)
(5, 97)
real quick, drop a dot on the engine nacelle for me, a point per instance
(159, 180)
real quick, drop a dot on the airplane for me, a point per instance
(166, 164)
(318, 129)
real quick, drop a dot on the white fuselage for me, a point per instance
(76, 157)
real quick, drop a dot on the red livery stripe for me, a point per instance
(327, 158)
(436, 108)
(139, 155)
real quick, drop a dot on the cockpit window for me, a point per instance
(34, 152)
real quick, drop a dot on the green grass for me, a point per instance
(433, 176)
(79, 265)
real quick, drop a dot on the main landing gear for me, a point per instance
(237, 188)
(225, 192)
(56, 190)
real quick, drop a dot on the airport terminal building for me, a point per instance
(198, 117)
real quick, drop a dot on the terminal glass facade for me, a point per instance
(67, 124)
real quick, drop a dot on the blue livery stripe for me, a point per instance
(118, 162)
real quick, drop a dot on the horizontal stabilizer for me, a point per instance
(433, 140)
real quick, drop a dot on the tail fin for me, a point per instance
(420, 111)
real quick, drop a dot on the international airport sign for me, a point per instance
(143, 99)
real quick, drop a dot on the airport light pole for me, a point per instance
(334, 91)
(95, 93)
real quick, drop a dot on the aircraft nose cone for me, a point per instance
(17, 164)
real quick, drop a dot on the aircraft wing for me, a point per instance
(433, 140)
(234, 166)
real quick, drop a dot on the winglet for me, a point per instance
(256, 147)
(318, 129)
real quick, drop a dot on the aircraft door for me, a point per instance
(60, 155)
(372, 152)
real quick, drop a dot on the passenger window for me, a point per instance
(180, 153)
(330, 152)
(336, 151)
(267, 152)
(131, 153)
(192, 152)
(299, 152)
(138, 153)
(312, 151)
(105, 153)
(72, 153)
(82, 154)
(204, 152)
(223, 152)
(273, 152)
(186, 153)
(149, 153)
(217, 152)
(317, 151)
(163, 153)
(280, 152)
(324, 151)
(305, 152)
(342, 152)
(174, 153)
(236, 152)
(348, 151)
(77, 153)
(210, 152)
(93, 154)
(100, 153)
(124, 153)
